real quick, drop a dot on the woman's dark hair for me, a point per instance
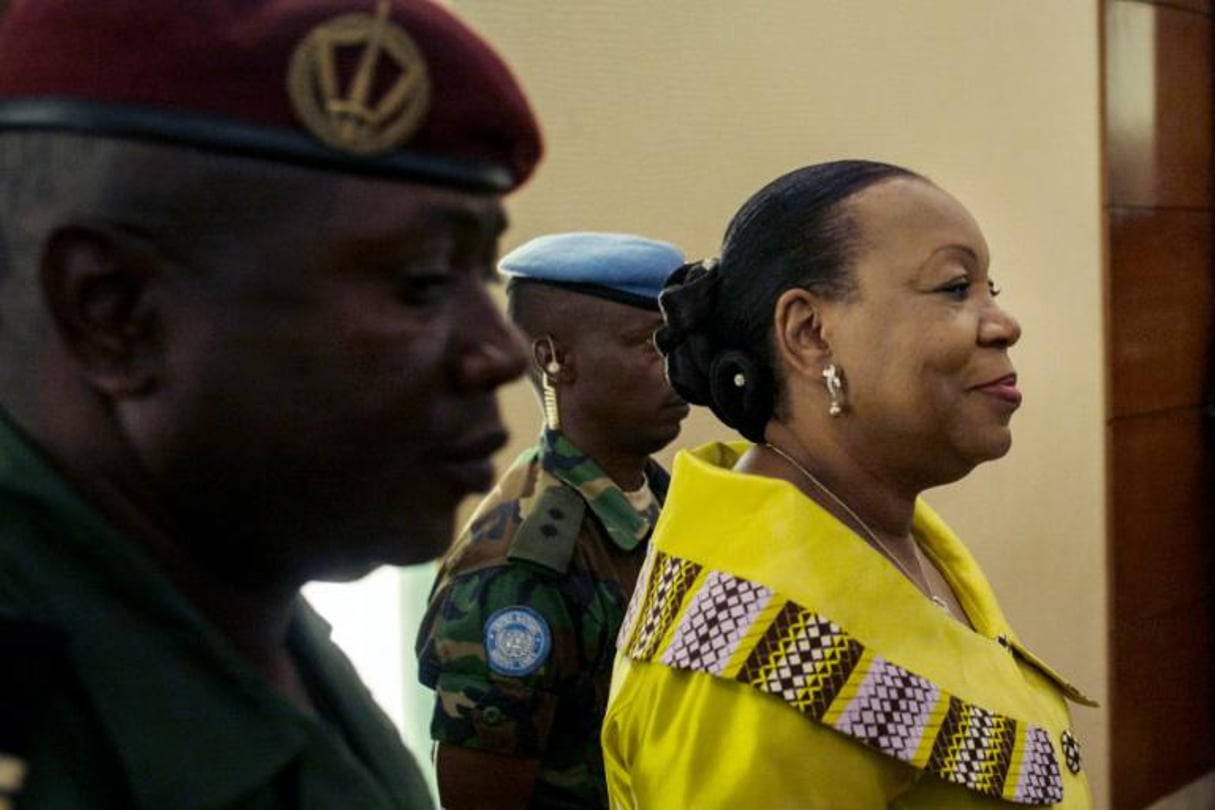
(794, 232)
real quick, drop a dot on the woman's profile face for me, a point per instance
(922, 344)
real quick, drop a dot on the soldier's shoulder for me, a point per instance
(485, 539)
(548, 533)
(485, 588)
(531, 519)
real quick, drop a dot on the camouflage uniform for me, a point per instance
(559, 542)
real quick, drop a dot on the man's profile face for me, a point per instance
(334, 378)
(621, 388)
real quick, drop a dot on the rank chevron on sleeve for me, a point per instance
(692, 618)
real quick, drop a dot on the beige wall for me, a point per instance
(662, 117)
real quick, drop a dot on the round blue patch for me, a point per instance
(517, 640)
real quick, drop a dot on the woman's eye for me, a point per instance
(957, 289)
(960, 288)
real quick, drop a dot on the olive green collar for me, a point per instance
(625, 526)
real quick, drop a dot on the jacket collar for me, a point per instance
(804, 552)
(625, 526)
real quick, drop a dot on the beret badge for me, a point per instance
(378, 102)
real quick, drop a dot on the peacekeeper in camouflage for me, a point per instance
(520, 635)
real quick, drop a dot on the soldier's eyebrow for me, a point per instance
(488, 223)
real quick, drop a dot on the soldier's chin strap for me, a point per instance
(35, 661)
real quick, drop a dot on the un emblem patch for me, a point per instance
(517, 641)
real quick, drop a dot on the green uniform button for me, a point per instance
(492, 715)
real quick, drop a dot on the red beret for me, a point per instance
(387, 88)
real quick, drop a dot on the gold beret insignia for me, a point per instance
(373, 108)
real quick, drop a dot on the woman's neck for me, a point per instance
(885, 507)
(880, 515)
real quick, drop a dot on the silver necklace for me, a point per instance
(920, 582)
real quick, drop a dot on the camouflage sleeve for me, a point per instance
(496, 646)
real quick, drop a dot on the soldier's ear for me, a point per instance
(101, 289)
(550, 359)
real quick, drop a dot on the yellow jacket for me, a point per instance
(773, 659)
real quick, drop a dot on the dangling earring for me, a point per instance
(835, 389)
(552, 418)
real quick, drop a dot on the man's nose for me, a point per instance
(494, 353)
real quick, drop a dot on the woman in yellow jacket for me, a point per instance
(807, 632)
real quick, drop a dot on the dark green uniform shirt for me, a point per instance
(520, 634)
(143, 704)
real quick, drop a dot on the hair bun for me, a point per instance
(730, 381)
(688, 302)
(741, 393)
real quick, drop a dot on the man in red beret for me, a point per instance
(245, 342)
